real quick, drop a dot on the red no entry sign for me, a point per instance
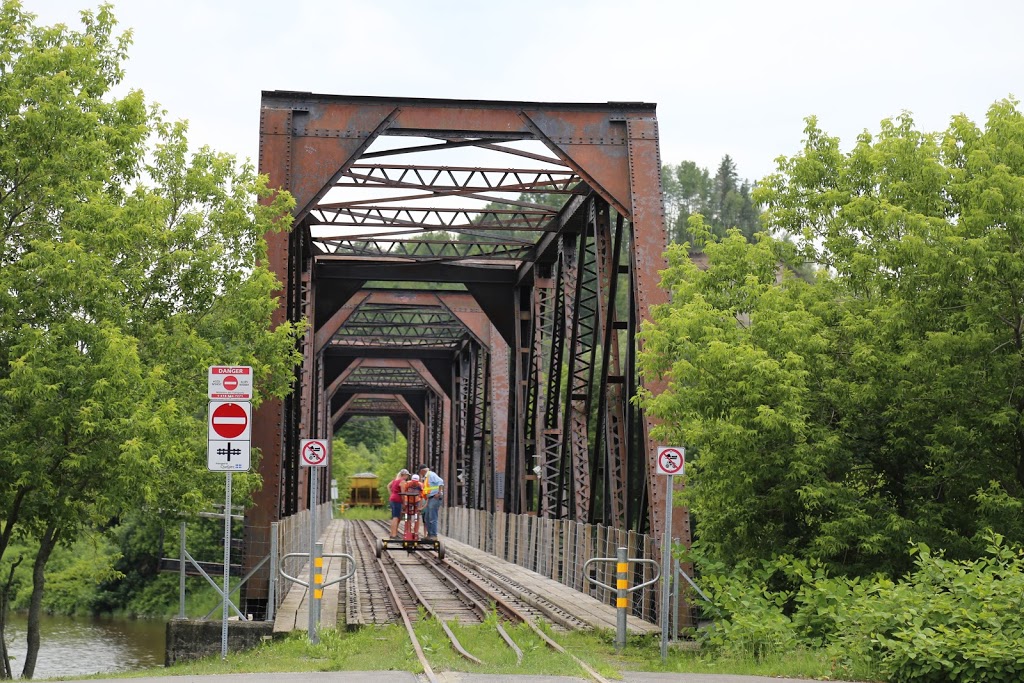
(230, 424)
(230, 382)
(671, 460)
(229, 420)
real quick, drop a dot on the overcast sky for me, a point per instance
(729, 76)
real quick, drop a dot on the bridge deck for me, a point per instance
(293, 614)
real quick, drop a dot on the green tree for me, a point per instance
(723, 200)
(687, 191)
(127, 266)
(840, 418)
(394, 457)
(374, 432)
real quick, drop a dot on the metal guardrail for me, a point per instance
(318, 581)
(621, 587)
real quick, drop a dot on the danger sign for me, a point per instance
(671, 460)
(230, 383)
(313, 453)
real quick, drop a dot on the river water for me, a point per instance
(76, 646)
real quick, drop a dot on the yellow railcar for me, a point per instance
(364, 490)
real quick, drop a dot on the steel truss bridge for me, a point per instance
(477, 272)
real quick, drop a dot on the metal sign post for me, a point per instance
(227, 567)
(671, 461)
(665, 558)
(313, 636)
(229, 422)
(313, 454)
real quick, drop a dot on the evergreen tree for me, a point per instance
(723, 200)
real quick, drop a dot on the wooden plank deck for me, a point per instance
(293, 613)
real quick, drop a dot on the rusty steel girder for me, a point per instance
(477, 270)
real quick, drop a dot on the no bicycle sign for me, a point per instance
(671, 460)
(313, 452)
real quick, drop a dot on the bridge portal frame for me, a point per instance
(552, 307)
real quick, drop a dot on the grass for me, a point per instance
(365, 513)
(388, 648)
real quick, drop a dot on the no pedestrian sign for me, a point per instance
(313, 453)
(230, 383)
(671, 460)
(230, 430)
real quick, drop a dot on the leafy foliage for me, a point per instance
(345, 462)
(75, 575)
(945, 621)
(394, 457)
(379, 448)
(373, 432)
(950, 621)
(128, 264)
(838, 419)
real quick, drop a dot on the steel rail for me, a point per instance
(440, 569)
(529, 622)
(364, 531)
(537, 604)
(378, 611)
(368, 535)
(463, 577)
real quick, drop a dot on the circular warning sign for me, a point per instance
(229, 420)
(671, 460)
(313, 453)
(230, 383)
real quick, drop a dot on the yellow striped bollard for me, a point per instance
(621, 588)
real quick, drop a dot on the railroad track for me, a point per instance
(449, 590)
(368, 599)
(530, 603)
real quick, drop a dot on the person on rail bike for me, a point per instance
(412, 493)
(433, 493)
(395, 487)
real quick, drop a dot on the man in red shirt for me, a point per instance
(395, 487)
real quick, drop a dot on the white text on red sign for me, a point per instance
(230, 382)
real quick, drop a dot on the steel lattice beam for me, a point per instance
(517, 386)
(581, 308)
(611, 448)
